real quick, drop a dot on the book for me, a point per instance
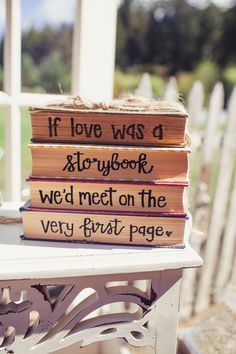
(107, 195)
(163, 127)
(108, 162)
(103, 227)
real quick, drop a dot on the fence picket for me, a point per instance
(217, 216)
(144, 88)
(201, 199)
(200, 196)
(171, 91)
(188, 285)
(195, 110)
(195, 104)
(229, 241)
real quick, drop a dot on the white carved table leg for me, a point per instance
(35, 319)
(166, 311)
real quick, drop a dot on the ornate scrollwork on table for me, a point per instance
(46, 315)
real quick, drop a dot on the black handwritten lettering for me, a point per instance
(45, 226)
(126, 200)
(90, 227)
(69, 196)
(118, 133)
(158, 132)
(105, 198)
(88, 130)
(77, 162)
(149, 232)
(44, 197)
(57, 197)
(161, 201)
(135, 131)
(150, 201)
(53, 124)
(140, 131)
(64, 228)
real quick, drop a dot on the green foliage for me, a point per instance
(132, 27)
(229, 75)
(208, 72)
(171, 33)
(162, 37)
(229, 79)
(125, 82)
(226, 46)
(53, 74)
(30, 71)
(185, 82)
(158, 85)
(39, 44)
(46, 62)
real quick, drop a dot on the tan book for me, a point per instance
(107, 195)
(163, 127)
(101, 227)
(109, 162)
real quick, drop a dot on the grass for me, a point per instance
(127, 82)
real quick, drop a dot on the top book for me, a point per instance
(129, 121)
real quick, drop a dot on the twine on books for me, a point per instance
(9, 220)
(187, 140)
(124, 103)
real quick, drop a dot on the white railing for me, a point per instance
(93, 58)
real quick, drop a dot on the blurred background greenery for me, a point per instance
(162, 37)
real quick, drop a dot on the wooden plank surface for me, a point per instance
(31, 259)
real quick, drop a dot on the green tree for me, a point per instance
(208, 73)
(47, 52)
(53, 74)
(41, 43)
(30, 71)
(132, 24)
(168, 32)
(227, 47)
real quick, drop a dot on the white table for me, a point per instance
(39, 321)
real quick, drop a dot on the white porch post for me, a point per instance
(93, 57)
(12, 86)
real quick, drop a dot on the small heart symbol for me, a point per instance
(168, 233)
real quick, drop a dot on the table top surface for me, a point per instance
(25, 259)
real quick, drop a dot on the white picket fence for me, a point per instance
(213, 194)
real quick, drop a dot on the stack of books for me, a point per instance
(108, 173)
